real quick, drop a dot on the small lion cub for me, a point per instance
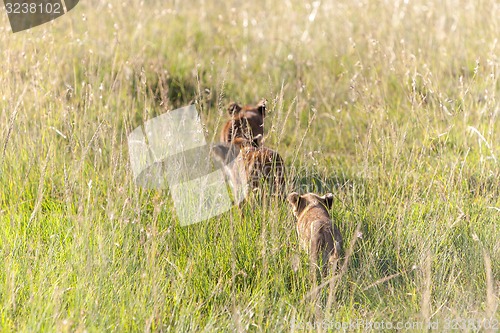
(262, 164)
(316, 232)
(246, 122)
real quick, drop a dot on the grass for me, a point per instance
(392, 106)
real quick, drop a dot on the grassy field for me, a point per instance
(393, 106)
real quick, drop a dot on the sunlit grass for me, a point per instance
(392, 106)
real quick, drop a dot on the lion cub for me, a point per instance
(246, 122)
(316, 232)
(248, 166)
(262, 164)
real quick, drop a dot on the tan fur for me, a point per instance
(246, 122)
(262, 164)
(316, 232)
(245, 163)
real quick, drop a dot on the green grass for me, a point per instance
(393, 107)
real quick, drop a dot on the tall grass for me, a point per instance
(393, 106)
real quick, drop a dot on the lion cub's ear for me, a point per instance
(233, 109)
(293, 199)
(328, 200)
(261, 107)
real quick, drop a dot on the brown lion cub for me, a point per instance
(247, 166)
(246, 122)
(262, 164)
(316, 232)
